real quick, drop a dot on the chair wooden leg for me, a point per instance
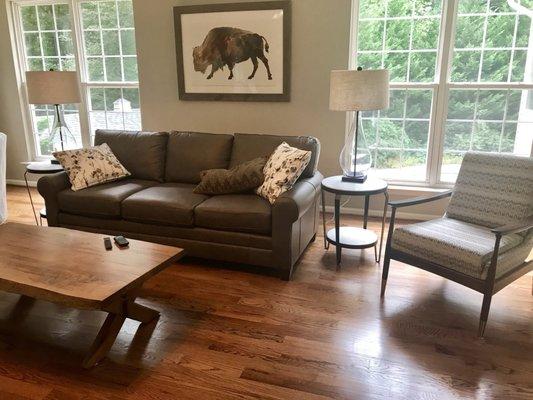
(485, 308)
(385, 275)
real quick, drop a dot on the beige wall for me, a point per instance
(320, 40)
(11, 122)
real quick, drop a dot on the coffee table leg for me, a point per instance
(104, 340)
(141, 313)
(112, 325)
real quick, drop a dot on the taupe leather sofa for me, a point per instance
(157, 202)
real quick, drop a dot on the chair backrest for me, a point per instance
(493, 189)
(3, 195)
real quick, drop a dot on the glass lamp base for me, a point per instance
(359, 177)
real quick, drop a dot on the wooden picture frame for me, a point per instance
(226, 49)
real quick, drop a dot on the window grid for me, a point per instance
(507, 81)
(68, 14)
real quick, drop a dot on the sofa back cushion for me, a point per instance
(246, 147)
(189, 153)
(493, 190)
(141, 153)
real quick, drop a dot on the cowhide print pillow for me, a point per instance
(240, 179)
(91, 166)
(282, 170)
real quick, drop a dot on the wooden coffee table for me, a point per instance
(74, 269)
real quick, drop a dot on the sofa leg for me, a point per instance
(313, 238)
(385, 275)
(286, 274)
(485, 308)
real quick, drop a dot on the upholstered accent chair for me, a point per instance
(484, 239)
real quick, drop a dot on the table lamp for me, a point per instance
(57, 88)
(357, 90)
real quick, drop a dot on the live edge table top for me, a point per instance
(74, 268)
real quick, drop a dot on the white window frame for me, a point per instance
(18, 46)
(441, 88)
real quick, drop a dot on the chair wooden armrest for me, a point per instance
(419, 200)
(515, 227)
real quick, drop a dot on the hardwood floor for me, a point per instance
(226, 334)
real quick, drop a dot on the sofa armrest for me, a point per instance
(292, 204)
(49, 186)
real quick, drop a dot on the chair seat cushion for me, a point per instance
(455, 244)
(102, 200)
(236, 213)
(166, 204)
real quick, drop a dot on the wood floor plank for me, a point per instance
(229, 334)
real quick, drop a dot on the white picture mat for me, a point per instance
(268, 23)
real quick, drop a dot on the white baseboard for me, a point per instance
(379, 213)
(20, 182)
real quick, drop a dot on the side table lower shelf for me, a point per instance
(353, 238)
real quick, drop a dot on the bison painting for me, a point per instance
(229, 46)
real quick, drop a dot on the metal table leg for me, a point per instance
(31, 199)
(365, 215)
(326, 243)
(386, 193)
(338, 248)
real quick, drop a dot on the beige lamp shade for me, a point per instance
(352, 90)
(52, 87)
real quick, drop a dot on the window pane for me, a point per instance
(62, 16)
(108, 14)
(102, 37)
(393, 38)
(93, 44)
(398, 136)
(128, 42)
(114, 108)
(46, 18)
(485, 120)
(125, 14)
(48, 45)
(111, 42)
(29, 18)
(498, 38)
(89, 12)
(113, 69)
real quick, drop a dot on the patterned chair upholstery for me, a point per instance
(492, 191)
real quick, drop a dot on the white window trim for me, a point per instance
(440, 87)
(17, 45)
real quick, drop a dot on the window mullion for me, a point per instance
(77, 39)
(440, 101)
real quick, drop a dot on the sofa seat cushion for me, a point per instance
(102, 200)
(166, 204)
(236, 213)
(455, 244)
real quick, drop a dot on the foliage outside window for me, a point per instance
(474, 99)
(106, 60)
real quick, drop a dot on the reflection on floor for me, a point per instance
(228, 334)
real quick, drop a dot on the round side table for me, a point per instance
(39, 168)
(352, 237)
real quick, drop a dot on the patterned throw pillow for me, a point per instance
(282, 170)
(91, 166)
(239, 179)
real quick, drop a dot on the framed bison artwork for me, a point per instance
(233, 51)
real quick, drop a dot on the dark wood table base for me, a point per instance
(117, 314)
